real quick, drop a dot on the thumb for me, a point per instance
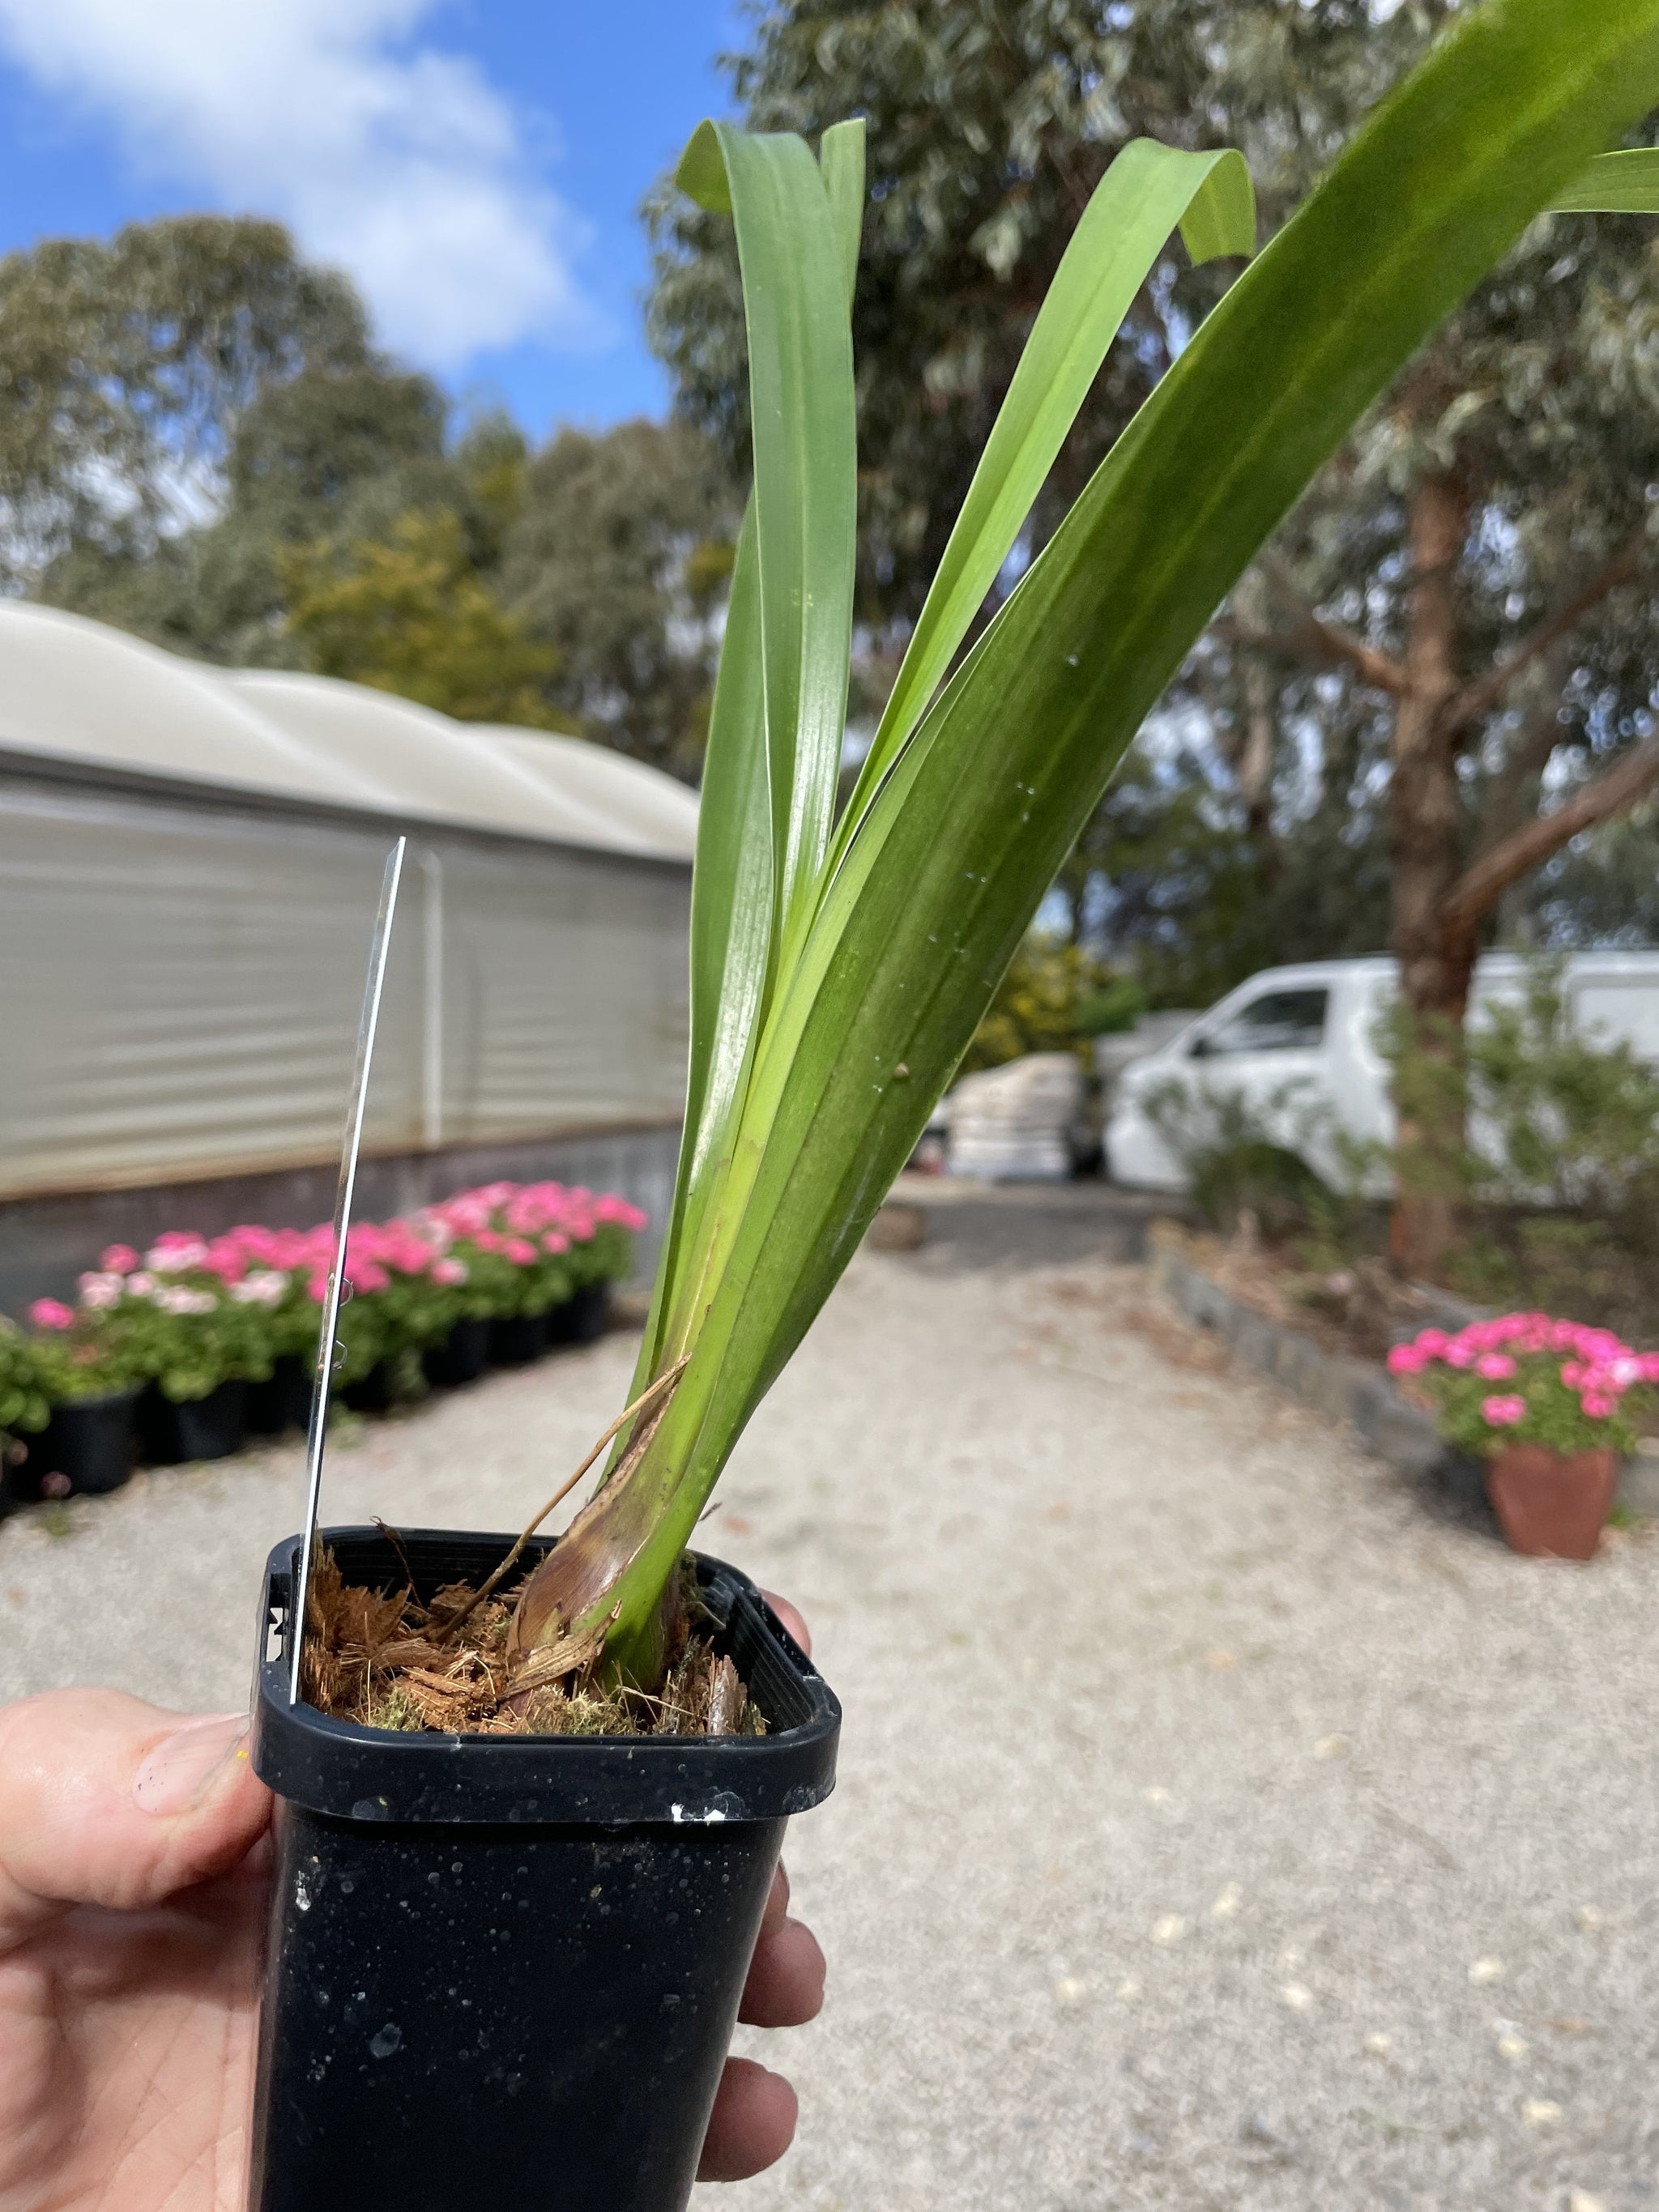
(105, 1800)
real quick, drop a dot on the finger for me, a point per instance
(785, 1986)
(752, 2124)
(777, 1903)
(105, 1800)
(793, 1621)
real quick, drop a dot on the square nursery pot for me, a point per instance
(461, 1358)
(506, 1969)
(374, 1392)
(517, 1339)
(282, 1400)
(584, 1317)
(171, 1431)
(84, 1448)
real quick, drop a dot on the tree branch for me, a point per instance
(1507, 802)
(1312, 638)
(1484, 881)
(1479, 697)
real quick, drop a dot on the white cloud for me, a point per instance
(400, 164)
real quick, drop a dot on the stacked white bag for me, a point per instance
(1013, 1123)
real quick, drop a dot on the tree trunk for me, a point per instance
(1426, 841)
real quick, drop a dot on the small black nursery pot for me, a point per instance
(282, 1400)
(507, 1968)
(584, 1317)
(517, 1339)
(374, 1392)
(212, 1427)
(461, 1358)
(85, 1448)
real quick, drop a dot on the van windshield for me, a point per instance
(1278, 1021)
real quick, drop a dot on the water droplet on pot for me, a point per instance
(347, 1885)
(386, 2041)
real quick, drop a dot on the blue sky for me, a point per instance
(474, 165)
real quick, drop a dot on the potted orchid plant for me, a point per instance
(1549, 1406)
(589, 1754)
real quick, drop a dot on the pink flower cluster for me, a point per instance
(255, 1265)
(521, 1221)
(1599, 1368)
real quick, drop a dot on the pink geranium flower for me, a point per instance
(1494, 1366)
(118, 1259)
(52, 1312)
(1503, 1412)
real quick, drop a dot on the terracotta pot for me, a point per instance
(1552, 1504)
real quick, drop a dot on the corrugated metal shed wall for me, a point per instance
(180, 985)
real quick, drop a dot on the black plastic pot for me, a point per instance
(85, 1448)
(584, 1317)
(507, 1968)
(461, 1358)
(372, 1392)
(171, 1431)
(282, 1400)
(517, 1339)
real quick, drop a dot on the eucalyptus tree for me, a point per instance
(126, 365)
(619, 560)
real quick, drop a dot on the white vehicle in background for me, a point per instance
(1296, 1049)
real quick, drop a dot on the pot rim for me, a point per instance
(364, 1775)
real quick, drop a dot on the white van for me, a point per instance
(1298, 1046)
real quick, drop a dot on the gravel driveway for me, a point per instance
(1222, 1823)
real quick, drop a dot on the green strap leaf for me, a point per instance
(1147, 191)
(841, 157)
(730, 937)
(1221, 218)
(1613, 184)
(800, 378)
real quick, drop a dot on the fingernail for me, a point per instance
(182, 1768)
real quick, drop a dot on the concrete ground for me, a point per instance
(1222, 1822)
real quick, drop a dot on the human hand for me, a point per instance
(133, 1874)
(753, 2122)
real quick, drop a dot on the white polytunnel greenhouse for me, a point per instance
(190, 860)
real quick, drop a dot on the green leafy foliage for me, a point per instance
(131, 363)
(24, 1404)
(1245, 1158)
(619, 558)
(408, 613)
(1560, 1175)
(1053, 997)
